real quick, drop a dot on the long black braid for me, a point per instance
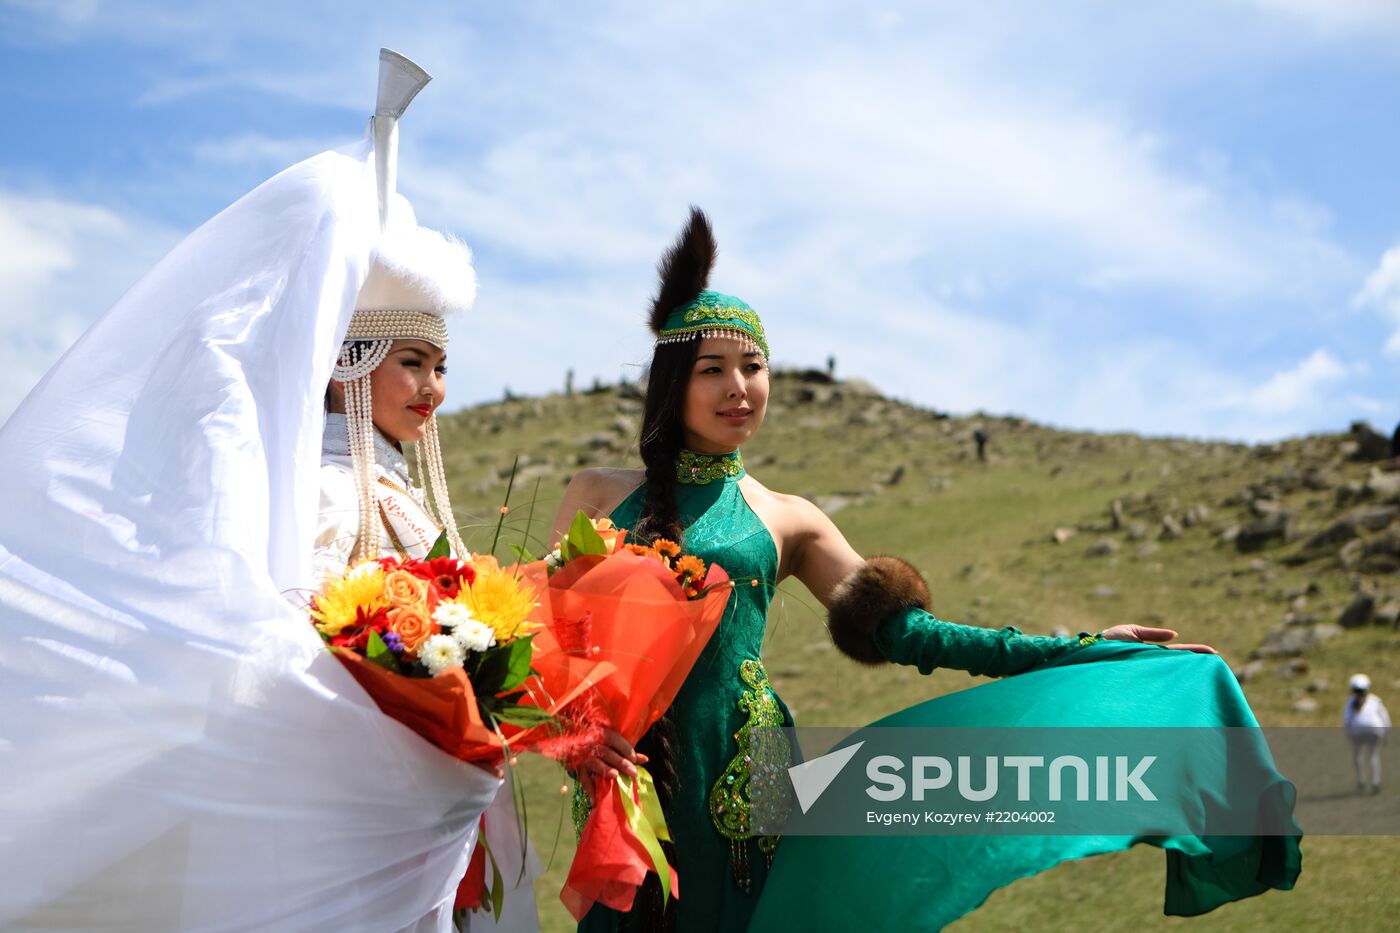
(684, 273)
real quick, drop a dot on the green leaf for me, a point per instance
(441, 548)
(521, 553)
(504, 667)
(523, 716)
(498, 887)
(521, 651)
(378, 653)
(581, 539)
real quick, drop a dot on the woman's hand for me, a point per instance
(1155, 636)
(614, 756)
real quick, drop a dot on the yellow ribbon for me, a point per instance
(647, 822)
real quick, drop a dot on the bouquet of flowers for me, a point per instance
(648, 611)
(447, 648)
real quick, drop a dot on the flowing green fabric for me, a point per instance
(720, 528)
(889, 882)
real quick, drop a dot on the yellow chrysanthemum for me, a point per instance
(336, 607)
(498, 599)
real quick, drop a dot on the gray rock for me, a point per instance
(1371, 445)
(1061, 535)
(599, 442)
(1137, 531)
(1319, 686)
(1330, 539)
(1358, 612)
(1383, 486)
(1349, 492)
(1375, 517)
(1292, 640)
(1305, 705)
(1229, 534)
(1104, 592)
(832, 504)
(1382, 554)
(1196, 515)
(1115, 514)
(1249, 670)
(1104, 547)
(1317, 480)
(1264, 532)
(1351, 553)
(1147, 549)
(1388, 613)
(1171, 529)
(1266, 508)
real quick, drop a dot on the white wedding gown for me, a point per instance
(177, 751)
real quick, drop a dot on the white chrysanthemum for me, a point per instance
(363, 568)
(440, 652)
(473, 635)
(449, 615)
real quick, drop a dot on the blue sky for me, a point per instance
(1174, 217)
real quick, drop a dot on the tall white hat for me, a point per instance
(418, 275)
(1360, 682)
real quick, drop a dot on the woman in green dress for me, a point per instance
(706, 396)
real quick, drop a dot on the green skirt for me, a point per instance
(901, 883)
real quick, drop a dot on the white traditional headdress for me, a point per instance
(418, 275)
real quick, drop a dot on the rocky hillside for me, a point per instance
(1286, 557)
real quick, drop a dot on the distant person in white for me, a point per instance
(1366, 723)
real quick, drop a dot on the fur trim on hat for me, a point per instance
(869, 596)
(685, 269)
(417, 269)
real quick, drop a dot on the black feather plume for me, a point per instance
(685, 269)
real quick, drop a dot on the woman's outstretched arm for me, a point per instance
(879, 611)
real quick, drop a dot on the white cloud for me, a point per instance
(1381, 291)
(63, 263)
(258, 149)
(908, 188)
(1338, 17)
(1296, 389)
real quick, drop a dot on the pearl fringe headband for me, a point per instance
(366, 345)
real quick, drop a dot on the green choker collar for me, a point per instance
(699, 469)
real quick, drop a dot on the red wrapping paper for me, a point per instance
(641, 623)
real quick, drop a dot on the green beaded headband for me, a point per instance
(713, 314)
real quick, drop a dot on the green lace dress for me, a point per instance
(721, 869)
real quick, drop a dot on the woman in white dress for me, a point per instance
(179, 752)
(388, 382)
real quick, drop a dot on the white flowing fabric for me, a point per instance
(177, 752)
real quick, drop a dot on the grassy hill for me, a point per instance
(1282, 556)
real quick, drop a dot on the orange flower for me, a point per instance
(642, 550)
(612, 535)
(412, 625)
(692, 567)
(404, 589)
(666, 547)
